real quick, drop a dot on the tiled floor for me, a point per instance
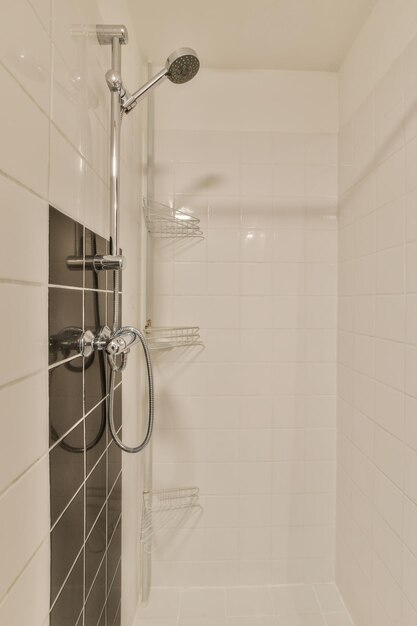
(281, 605)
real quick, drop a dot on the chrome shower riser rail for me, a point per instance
(115, 152)
(116, 36)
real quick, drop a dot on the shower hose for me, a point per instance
(114, 369)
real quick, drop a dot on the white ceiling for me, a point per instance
(252, 34)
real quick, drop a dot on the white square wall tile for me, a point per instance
(298, 599)
(256, 147)
(389, 90)
(253, 620)
(157, 621)
(321, 279)
(390, 224)
(321, 246)
(201, 621)
(411, 165)
(67, 100)
(31, 46)
(163, 602)
(390, 276)
(256, 179)
(202, 603)
(43, 11)
(25, 513)
(329, 598)
(411, 216)
(66, 177)
(410, 479)
(411, 422)
(411, 260)
(256, 245)
(390, 317)
(248, 601)
(410, 576)
(388, 500)
(26, 401)
(290, 212)
(321, 181)
(410, 521)
(190, 279)
(411, 371)
(223, 245)
(321, 149)
(389, 363)
(338, 619)
(26, 308)
(224, 212)
(25, 161)
(257, 212)
(388, 546)
(289, 148)
(255, 279)
(390, 179)
(289, 180)
(19, 207)
(289, 246)
(28, 600)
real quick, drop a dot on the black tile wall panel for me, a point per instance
(85, 468)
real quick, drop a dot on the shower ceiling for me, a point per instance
(252, 34)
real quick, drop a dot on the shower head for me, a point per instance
(180, 67)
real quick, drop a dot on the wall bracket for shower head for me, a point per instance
(107, 32)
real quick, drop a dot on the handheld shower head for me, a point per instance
(180, 67)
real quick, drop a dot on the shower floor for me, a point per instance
(277, 605)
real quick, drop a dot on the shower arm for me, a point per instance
(130, 101)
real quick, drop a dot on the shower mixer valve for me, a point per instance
(113, 343)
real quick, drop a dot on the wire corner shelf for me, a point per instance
(164, 511)
(167, 337)
(165, 221)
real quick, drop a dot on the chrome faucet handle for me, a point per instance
(122, 340)
(89, 342)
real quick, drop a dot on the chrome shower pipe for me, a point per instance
(115, 150)
(115, 36)
(137, 96)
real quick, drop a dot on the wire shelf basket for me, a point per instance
(165, 221)
(164, 511)
(166, 337)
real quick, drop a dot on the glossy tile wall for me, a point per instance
(85, 464)
(54, 151)
(377, 413)
(250, 418)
